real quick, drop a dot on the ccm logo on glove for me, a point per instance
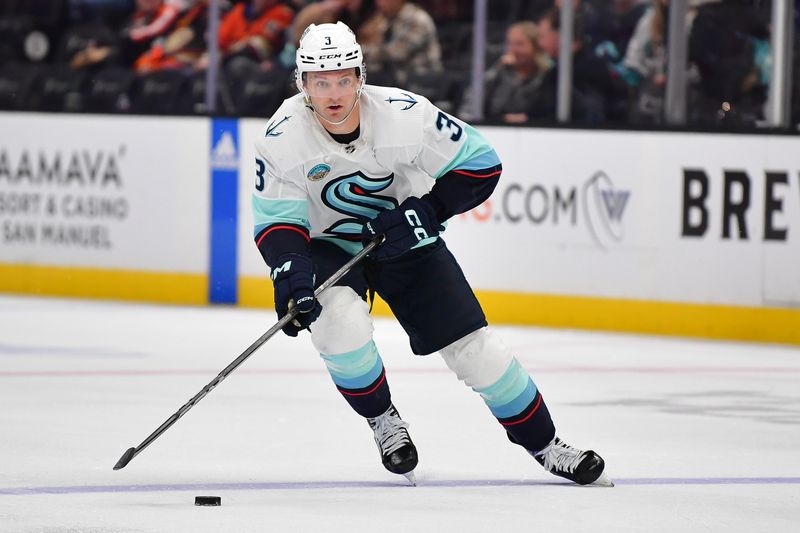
(414, 221)
(404, 227)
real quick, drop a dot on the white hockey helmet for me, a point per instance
(325, 47)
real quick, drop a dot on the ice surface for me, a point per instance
(697, 435)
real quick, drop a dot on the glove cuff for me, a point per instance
(437, 208)
(277, 240)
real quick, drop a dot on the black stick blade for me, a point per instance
(125, 459)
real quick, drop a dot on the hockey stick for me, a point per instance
(130, 453)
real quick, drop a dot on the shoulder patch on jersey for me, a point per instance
(273, 126)
(409, 100)
(318, 172)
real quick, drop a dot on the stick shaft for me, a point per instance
(335, 277)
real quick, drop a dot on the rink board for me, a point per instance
(104, 207)
(687, 234)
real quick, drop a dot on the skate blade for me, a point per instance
(411, 478)
(602, 481)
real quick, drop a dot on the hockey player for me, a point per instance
(343, 162)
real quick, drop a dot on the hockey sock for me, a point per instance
(360, 377)
(519, 407)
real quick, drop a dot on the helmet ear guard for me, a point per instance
(328, 47)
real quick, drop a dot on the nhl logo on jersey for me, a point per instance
(318, 172)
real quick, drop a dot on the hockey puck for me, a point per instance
(208, 500)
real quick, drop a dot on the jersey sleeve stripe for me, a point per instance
(291, 228)
(492, 173)
(278, 240)
(474, 148)
(485, 160)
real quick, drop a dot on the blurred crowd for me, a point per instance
(150, 56)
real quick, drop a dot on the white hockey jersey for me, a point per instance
(306, 179)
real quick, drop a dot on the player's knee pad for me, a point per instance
(344, 324)
(479, 359)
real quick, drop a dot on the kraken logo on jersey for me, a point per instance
(354, 195)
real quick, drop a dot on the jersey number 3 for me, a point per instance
(260, 168)
(443, 120)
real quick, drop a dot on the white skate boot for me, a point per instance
(398, 453)
(582, 467)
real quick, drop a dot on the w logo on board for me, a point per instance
(615, 202)
(604, 207)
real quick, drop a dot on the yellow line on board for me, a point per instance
(766, 324)
(129, 285)
(780, 325)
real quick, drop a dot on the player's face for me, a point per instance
(332, 93)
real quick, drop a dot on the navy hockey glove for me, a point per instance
(293, 280)
(403, 227)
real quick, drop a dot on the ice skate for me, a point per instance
(582, 467)
(398, 453)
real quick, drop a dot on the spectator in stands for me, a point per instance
(184, 47)
(254, 31)
(729, 45)
(352, 12)
(601, 18)
(628, 14)
(151, 20)
(512, 84)
(401, 37)
(645, 65)
(89, 46)
(153, 17)
(597, 94)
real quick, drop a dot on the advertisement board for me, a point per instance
(711, 219)
(655, 216)
(81, 196)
